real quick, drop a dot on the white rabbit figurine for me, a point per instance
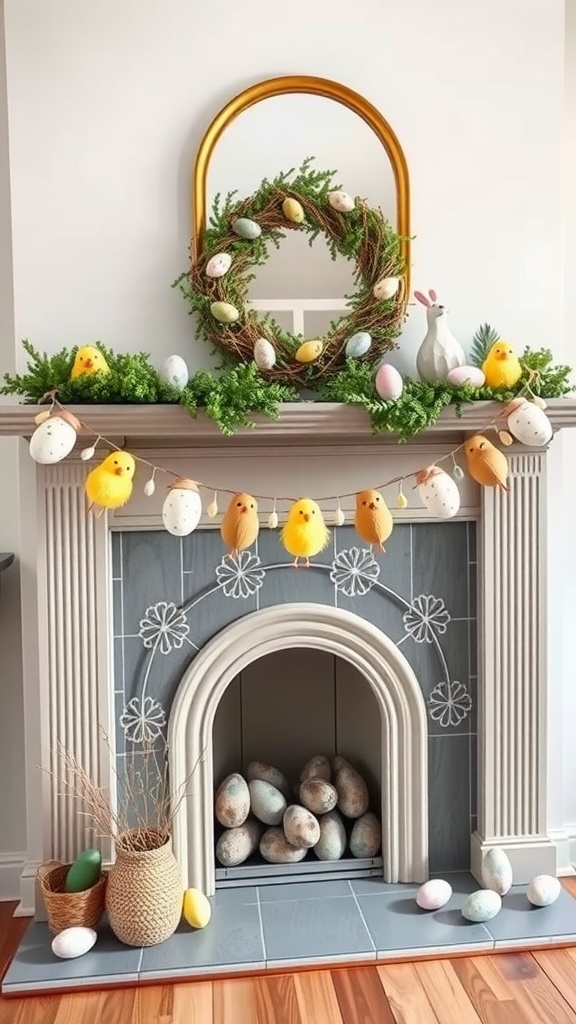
(439, 352)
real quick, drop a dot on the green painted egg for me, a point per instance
(224, 312)
(246, 228)
(84, 872)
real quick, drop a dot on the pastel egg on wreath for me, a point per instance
(246, 228)
(341, 201)
(175, 372)
(264, 354)
(358, 344)
(529, 424)
(293, 210)
(309, 351)
(386, 288)
(388, 383)
(224, 312)
(182, 508)
(462, 375)
(218, 265)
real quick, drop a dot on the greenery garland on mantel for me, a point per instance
(231, 399)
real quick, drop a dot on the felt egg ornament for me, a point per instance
(530, 424)
(264, 354)
(438, 492)
(358, 344)
(224, 312)
(55, 438)
(293, 210)
(341, 201)
(182, 507)
(196, 908)
(246, 228)
(218, 265)
(386, 288)
(73, 942)
(309, 351)
(175, 372)
(388, 383)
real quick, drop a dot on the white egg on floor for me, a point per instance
(73, 942)
(543, 890)
(175, 372)
(497, 871)
(482, 905)
(433, 894)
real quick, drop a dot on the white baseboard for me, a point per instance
(11, 868)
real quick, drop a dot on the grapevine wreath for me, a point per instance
(237, 241)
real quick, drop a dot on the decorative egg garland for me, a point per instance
(237, 241)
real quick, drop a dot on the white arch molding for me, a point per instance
(404, 775)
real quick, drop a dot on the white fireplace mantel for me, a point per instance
(66, 583)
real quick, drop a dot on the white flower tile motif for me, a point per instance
(240, 576)
(426, 618)
(354, 572)
(449, 703)
(163, 627)
(143, 720)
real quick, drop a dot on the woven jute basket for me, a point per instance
(144, 892)
(69, 909)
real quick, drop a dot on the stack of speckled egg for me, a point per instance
(326, 812)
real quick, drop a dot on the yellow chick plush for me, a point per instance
(89, 360)
(501, 367)
(373, 519)
(487, 465)
(305, 534)
(109, 485)
(240, 526)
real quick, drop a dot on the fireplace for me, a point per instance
(72, 676)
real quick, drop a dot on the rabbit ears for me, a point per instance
(424, 299)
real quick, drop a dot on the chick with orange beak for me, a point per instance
(486, 464)
(502, 367)
(305, 534)
(240, 526)
(373, 519)
(89, 360)
(109, 485)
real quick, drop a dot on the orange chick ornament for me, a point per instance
(373, 519)
(305, 534)
(240, 526)
(487, 465)
(109, 485)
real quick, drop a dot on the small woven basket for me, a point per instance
(69, 909)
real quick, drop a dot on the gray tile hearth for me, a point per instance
(258, 928)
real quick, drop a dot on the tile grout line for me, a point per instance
(264, 956)
(363, 919)
(139, 967)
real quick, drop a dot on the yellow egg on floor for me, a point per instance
(197, 910)
(309, 351)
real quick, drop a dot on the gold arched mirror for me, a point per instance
(250, 141)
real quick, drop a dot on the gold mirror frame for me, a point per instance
(316, 87)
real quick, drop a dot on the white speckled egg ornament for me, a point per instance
(264, 354)
(55, 438)
(530, 424)
(433, 894)
(482, 905)
(182, 507)
(461, 375)
(497, 871)
(438, 492)
(175, 372)
(341, 201)
(218, 264)
(73, 942)
(386, 288)
(543, 890)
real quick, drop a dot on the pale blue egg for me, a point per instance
(246, 228)
(358, 344)
(175, 372)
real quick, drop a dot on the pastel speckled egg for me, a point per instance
(218, 265)
(309, 351)
(358, 344)
(224, 312)
(341, 201)
(293, 210)
(530, 425)
(232, 802)
(496, 871)
(264, 354)
(543, 890)
(73, 942)
(481, 905)
(433, 894)
(386, 288)
(462, 375)
(246, 228)
(388, 383)
(175, 372)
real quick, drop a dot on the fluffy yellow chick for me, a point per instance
(501, 367)
(240, 525)
(487, 465)
(88, 360)
(373, 519)
(109, 485)
(305, 533)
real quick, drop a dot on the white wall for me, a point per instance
(107, 103)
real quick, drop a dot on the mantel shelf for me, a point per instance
(315, 422)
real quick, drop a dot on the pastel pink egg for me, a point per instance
(388, 383)
(433, 894)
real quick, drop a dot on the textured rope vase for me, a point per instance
(144, 892)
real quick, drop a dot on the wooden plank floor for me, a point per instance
(509, 988)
